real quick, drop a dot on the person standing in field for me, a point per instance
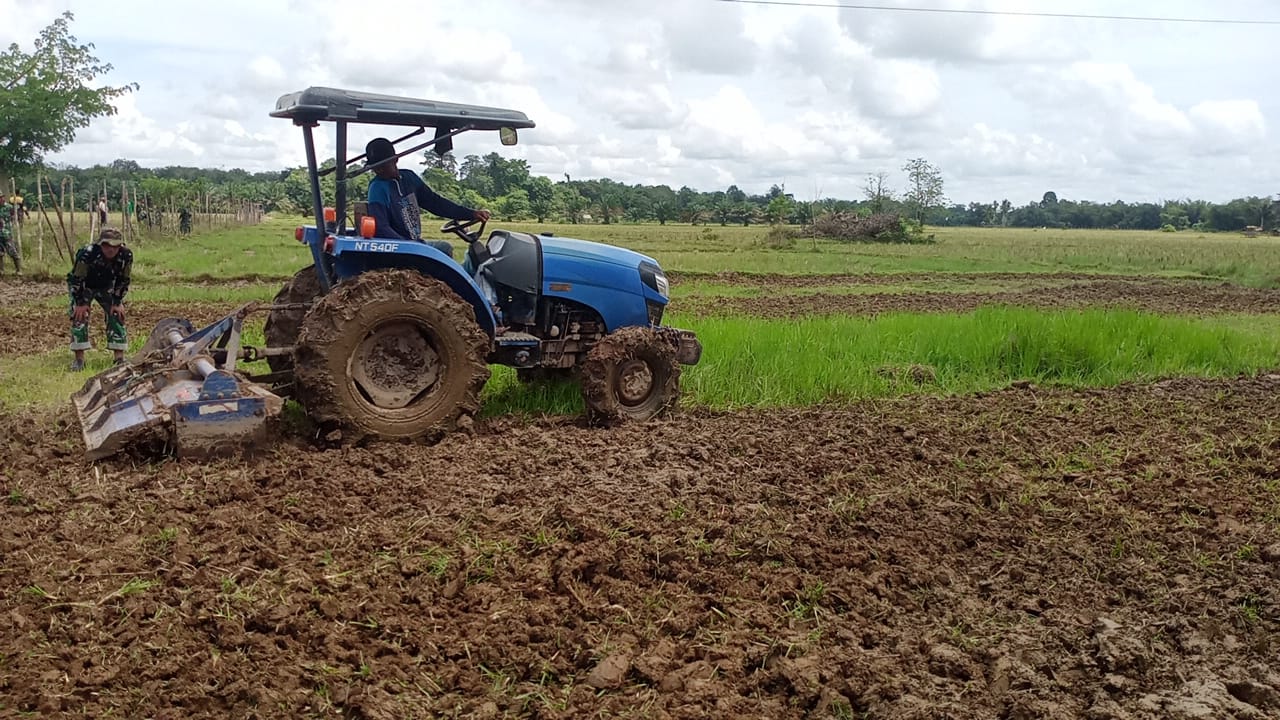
(100, 274)
(19, 204)
(102, 212)
(7, 243)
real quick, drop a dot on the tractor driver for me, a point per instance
(396, 195)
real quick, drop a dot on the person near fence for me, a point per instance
(100, 274)
(396, 195)
(19, 209)
(102, 212)
(8, 245)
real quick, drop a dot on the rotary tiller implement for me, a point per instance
(182, 389)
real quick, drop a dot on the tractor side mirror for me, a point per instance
(507, 136)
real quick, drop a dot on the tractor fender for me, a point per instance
(353, 256)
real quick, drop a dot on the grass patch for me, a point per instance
(44, 380)
(796, 362)
(754, 362)
(268, 251)
(750, 362)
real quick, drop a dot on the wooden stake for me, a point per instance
(40, 200)
(17, 226)
(126, 227)
(44, 213)
(73, 202)
(65, 238)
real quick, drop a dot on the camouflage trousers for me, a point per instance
(117, 338)
(8, 247)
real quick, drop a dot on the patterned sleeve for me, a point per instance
(121, 285)
(80, 294)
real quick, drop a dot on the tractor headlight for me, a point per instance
(652, 276)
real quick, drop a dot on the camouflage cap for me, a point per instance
(110, 236)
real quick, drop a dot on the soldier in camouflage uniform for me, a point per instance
(101, 274)
(8, 246)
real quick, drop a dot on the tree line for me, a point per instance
(512, 192)
(1168, 215)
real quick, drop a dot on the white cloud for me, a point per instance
(706, 37)
(553, 127)
(23, 19)
(633, 59)
(984, 151)
(1114, 89)
(265, 73)
(962, 38)
(706, 94)
(649, 107)
(370, 48)
(885, 88)
(1229, 124)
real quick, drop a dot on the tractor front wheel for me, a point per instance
(390, 354)
(631, 374)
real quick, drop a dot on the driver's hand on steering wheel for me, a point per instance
(482, 215)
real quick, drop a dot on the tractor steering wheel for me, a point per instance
(459, 228)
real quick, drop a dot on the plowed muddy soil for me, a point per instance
(1019, 554)
(34, 328)
(774, 280)
(1160, 296)
(15, 290)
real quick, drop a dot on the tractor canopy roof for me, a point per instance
(331, 104)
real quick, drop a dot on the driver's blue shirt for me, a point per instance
(394, 205)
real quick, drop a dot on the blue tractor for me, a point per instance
(393, 339)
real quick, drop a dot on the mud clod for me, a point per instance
(610, 672)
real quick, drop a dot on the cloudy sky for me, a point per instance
(707, 93)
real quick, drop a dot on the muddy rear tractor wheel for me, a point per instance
(282, 326)
(390, 354)
(630, 375)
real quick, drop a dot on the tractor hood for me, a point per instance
(591, 251)
(609, 279)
